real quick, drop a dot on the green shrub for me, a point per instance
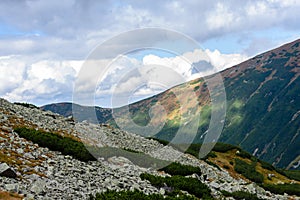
(291, 189)
(129, 195)
(182, 170)
(209, 155)
(223, 148)
(78, 150)
(266, 165)
(191, 185)
(248, 171)
(27, 105)
(54, 142)
(244, 154)
(292, 174)
(196, 88)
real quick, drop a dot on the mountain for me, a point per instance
(263, 106)
(68, 109)
(47, 156)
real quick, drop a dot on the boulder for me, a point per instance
(121, 161)
(6, 171)
(13, 187)
(38, 186)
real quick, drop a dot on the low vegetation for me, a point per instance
(65, 145)
(266, 165)
(182, 170)
(27, 105)
(248, 171)
(291, 189)
(292, 174)
(176, 183)
(78, 150)
(129, 195)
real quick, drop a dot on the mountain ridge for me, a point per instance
(262, 97)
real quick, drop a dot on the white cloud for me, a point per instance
(222, 61)
(128, 77)
(12, 72)
(22, 79)
(222, 17)
(70, 29)
(41, 41)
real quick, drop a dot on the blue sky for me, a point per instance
(43, 44)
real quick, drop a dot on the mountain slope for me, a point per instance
(45, 153)
(67, 109)
(263, 106)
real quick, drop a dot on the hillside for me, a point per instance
(263, 107)
(44, 156)
(67, 109)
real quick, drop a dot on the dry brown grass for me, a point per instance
(223, 160)
(10, 196)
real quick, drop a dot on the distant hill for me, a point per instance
(66, 109)
(263, 106)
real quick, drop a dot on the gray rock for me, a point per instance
(20, 151)
(119, 161)
(28, 155)
(38, 186)
(14, 187)
(29, 197)
(215, 185)
(6, 171)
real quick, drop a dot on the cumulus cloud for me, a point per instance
(70, 29)
(24, 80)
(44, 43)
(136, 79)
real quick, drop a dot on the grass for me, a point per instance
(10, 196)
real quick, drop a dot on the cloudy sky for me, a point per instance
(44, 44)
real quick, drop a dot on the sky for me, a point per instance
(44, 45)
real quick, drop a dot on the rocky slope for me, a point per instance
(263, 101)
(39, 173)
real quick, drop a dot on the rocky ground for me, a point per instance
(34, 172)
